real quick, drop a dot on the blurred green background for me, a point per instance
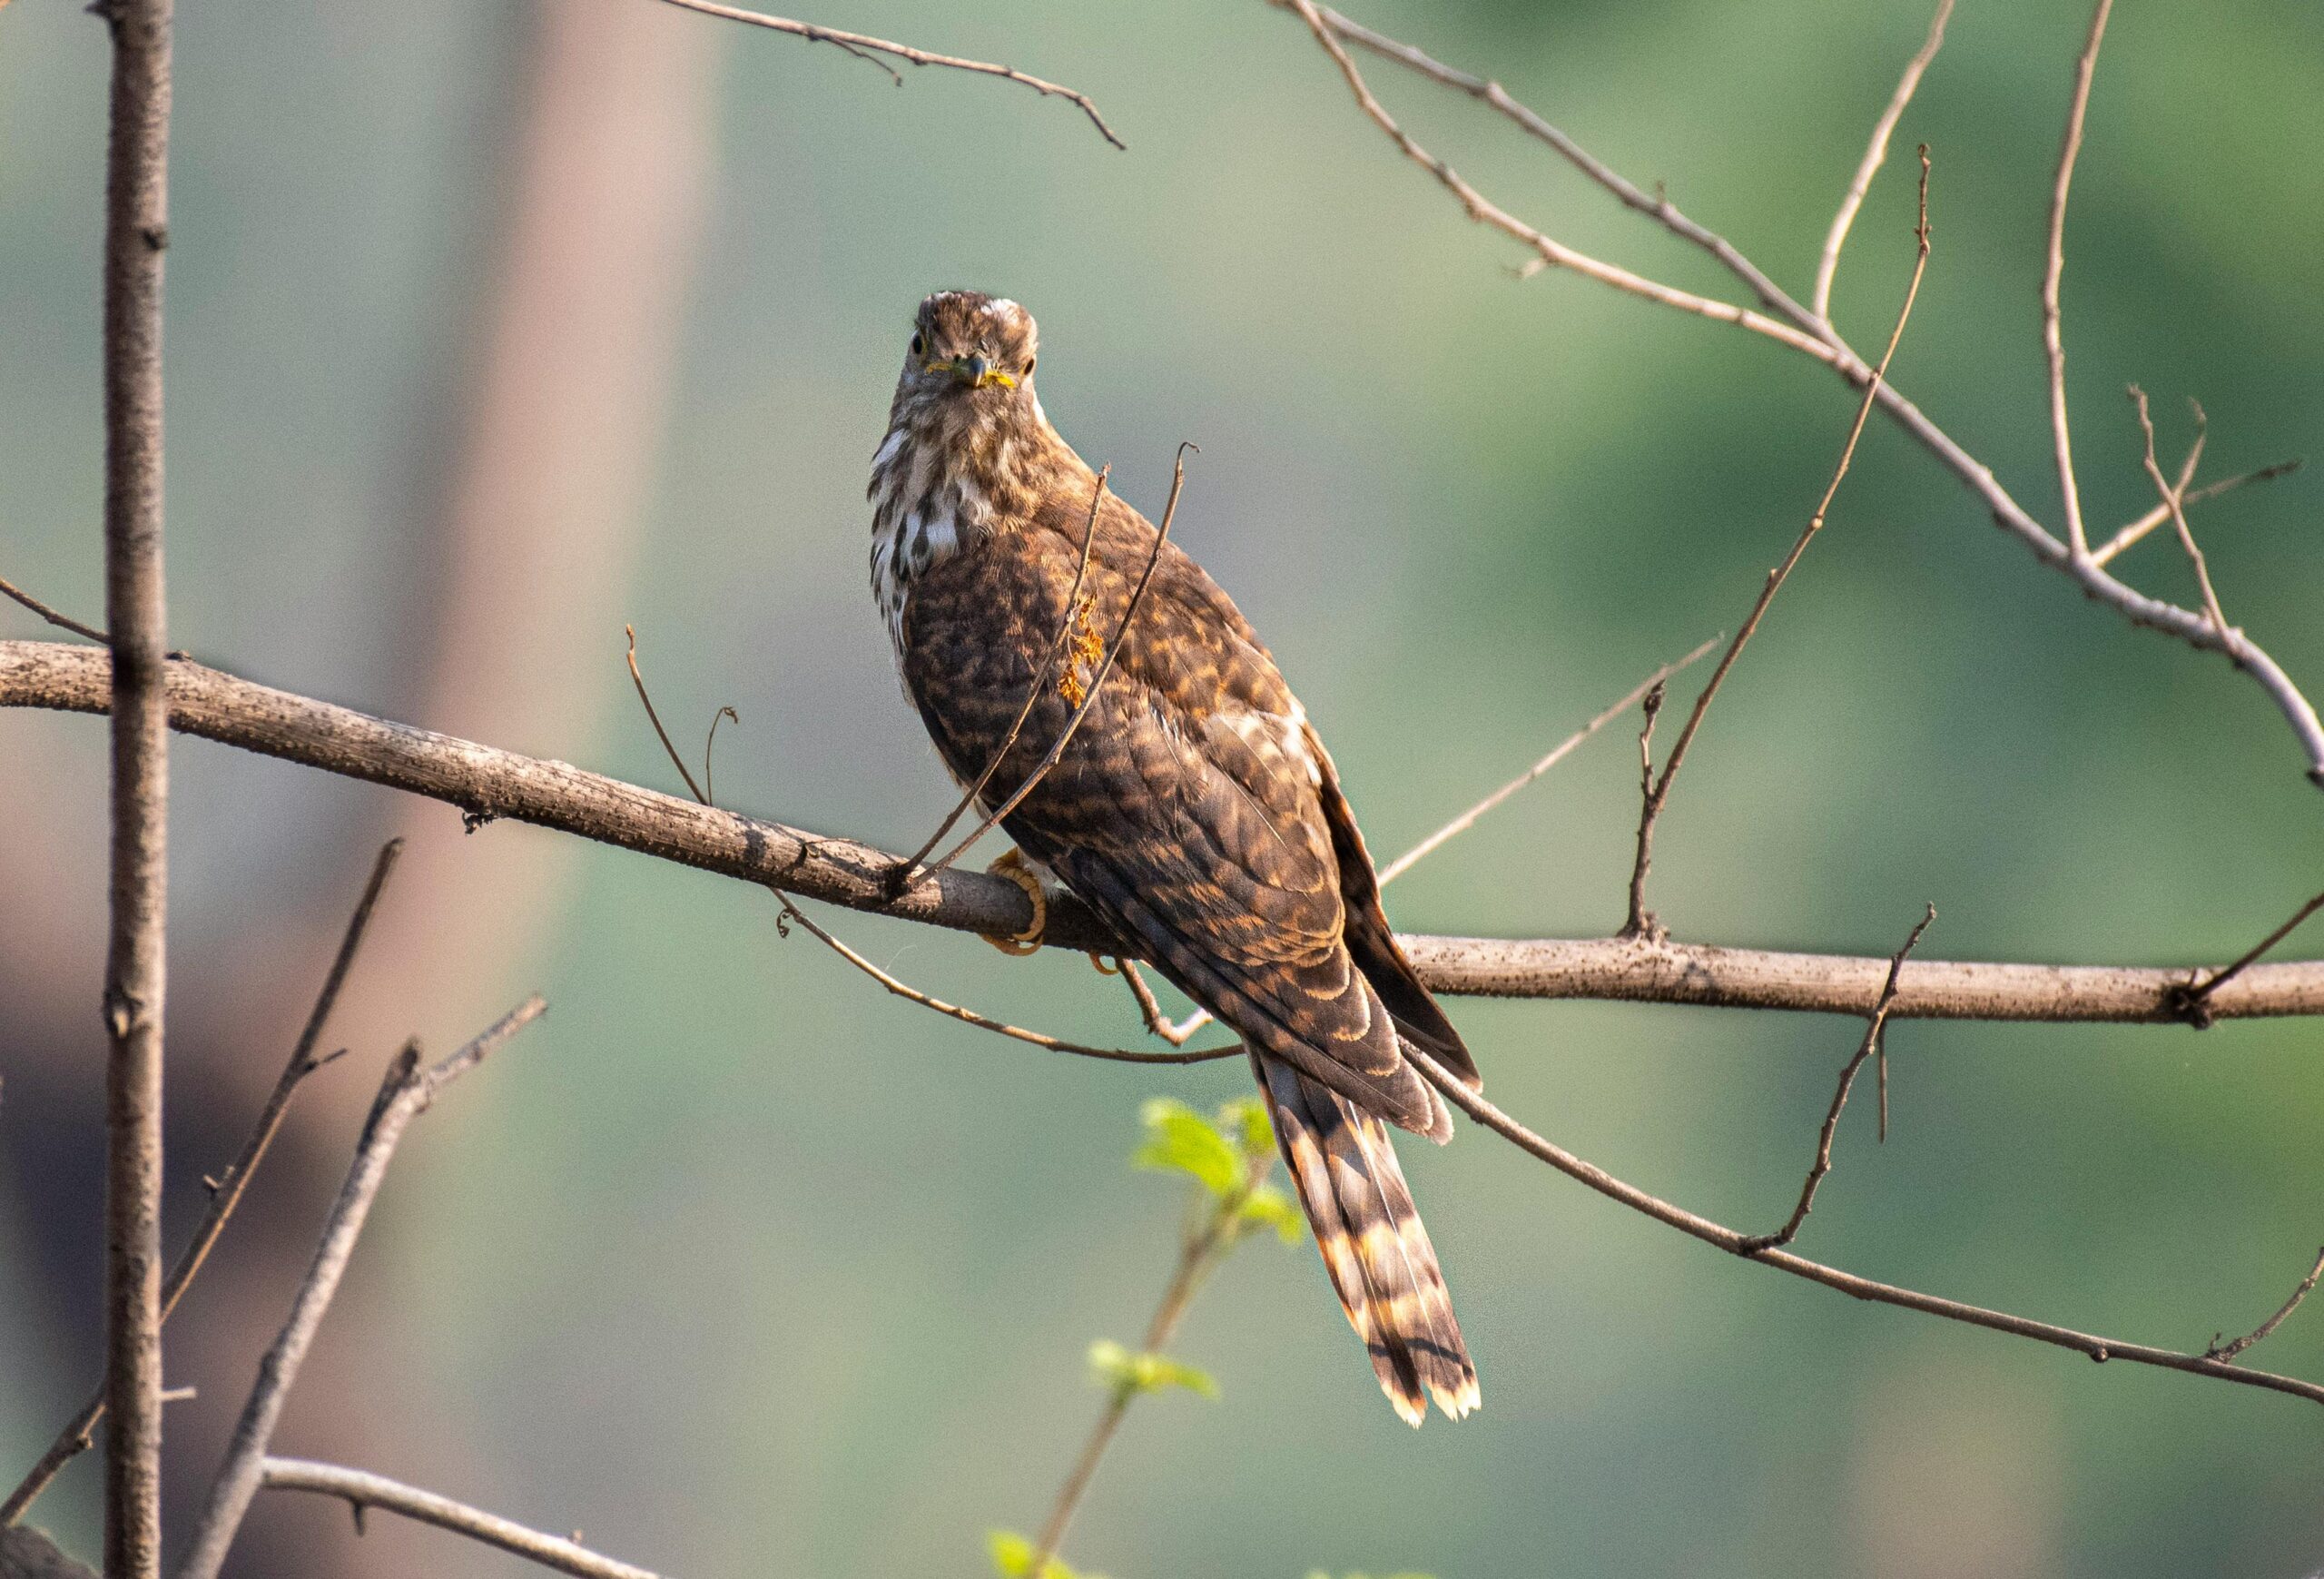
(746, 1267)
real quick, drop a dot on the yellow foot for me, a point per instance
(1013, 867)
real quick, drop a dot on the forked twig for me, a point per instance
(1641, 923)
(2191, 1002)
(864, 47)
(2160, 513)
(360, 1489)
(2174, 501)
(227, 1192)
(405, 1094)
(907, 870)
(2229, 1350)
(1097, 681)
(1873, 1044)
(1876, 154)
(2053, 270)
(1721, 1236)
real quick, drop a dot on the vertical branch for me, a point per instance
(2053, 341)
(1876, 154)
(136, 232)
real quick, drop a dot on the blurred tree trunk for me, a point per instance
(514, 633)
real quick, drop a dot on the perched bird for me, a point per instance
(1194, 809)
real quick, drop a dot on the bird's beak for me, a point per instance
(972, 370)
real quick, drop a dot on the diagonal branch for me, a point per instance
(863, 46)
(2174, 501)
(1640, 922)
(486, 783)
(55, 616)
(1721, 1236)
(2160, 513)
(1811, 336)
(405, 1094)
(226, 1192)
(361, 1490)
(2233, 1346)
(1876, 154)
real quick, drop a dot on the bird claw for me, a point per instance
(1013, 867)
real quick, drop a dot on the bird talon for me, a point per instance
(1012, 866)
(1098, 963)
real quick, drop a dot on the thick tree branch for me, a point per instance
(865, 47)
(405, 1094)
(137, 221)
(487, 783)
(362, 1490)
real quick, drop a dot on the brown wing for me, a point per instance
(1191, 808)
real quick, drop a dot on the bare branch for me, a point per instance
(1876, 154)
(1873, 1044)
(137, 230)
(1725, 1239)
(2173, 501)
(1813, 337)
(485, 783)
(2193, 1002)
(863, 46)
(2053, 341)
(360, 1489)
(62, 620)
(1640, 922)
(405, 1094)
(1468, 819)
(227, 1191)
(1097, 681)
(909, 872)
(2160, 514)
(2229, 1350)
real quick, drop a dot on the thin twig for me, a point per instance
(1097, 681)
(2160, 513)
(360, 1489)
(137, 229)
(638, 678)
(1198, 1257)
(1876, 154)
(2175, 503)
(2193, 1001)
(1723, 1238)
(1150, 1011)
(1813, 337)
(710, 747)
(405, 1092)
(863, 47)
(2053, 270)
(1641, 923)
(1873, 1044)
(2228, 1351)
(908, 872)
(55, 616)
(486, 781)
(75, 1438)
(1466, 820)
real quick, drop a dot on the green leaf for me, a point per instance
(1012, 1558)
(1131, 1374)
(1179, 1140)
(1247, 1117)
(1271, 1208)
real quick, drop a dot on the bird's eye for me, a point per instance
(1028, 367)
(919, 344)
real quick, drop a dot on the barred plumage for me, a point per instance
(1195, 809)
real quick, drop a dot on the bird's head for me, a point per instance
(969, 346)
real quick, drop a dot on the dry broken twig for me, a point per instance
(227, 1189)
(1641, 923)
(360, 1489)
(485, 783)
(405, 1094)
(865, 47)
(2230, 1349)
(1873, 1045)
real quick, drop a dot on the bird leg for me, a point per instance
(1013, 866)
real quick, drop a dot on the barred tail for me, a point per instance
(1374, 1247)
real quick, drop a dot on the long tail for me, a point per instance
(1374, 1247)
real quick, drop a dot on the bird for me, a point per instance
(1194, 810)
